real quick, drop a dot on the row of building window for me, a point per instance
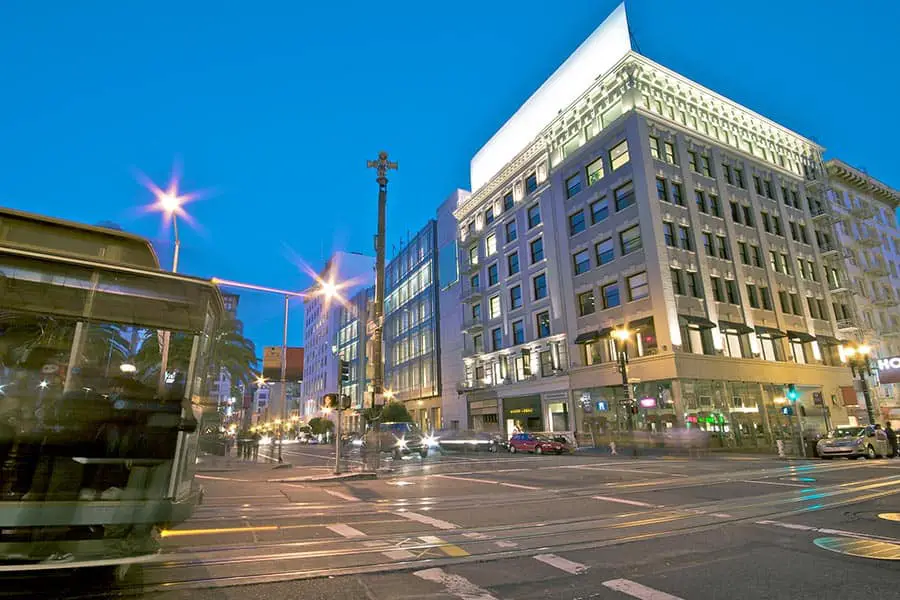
(637, 287)
(517, 330)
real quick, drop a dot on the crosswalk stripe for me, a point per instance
(346, 530)
(563, 564)
(636, 590)
(440, 524)
(455, 585)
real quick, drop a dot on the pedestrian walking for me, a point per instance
(256, 439)
(892, 438)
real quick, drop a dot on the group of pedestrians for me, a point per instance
(891, 437)
(247, 445)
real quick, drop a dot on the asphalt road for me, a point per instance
(484, 526)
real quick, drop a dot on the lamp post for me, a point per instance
(857, 357)
(621, 336)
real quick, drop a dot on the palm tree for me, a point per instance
(235, 353)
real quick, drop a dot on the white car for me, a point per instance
(854, 441)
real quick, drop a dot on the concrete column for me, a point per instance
(678, 401)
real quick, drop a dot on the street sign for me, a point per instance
(817, 399)
(888, 369)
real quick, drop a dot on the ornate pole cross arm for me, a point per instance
(383, 165)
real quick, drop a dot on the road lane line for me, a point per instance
(828, 531)
(563, 564)
(802, 485)
(221, 530)
(455, 585)
(220, 478)
(490, 481)
(438, 523)
(399, 554)
(519, 486)
(636, 590)
(626, 501)
(345, 530)
(503, 544)
(341, 495)
(444, 546)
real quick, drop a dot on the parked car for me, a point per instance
(539, 444)
(854, 441)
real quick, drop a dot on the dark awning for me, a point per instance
(700, 322)
(639, 323)
(605, 332)
(800, 336)
(589, 336)
(769, 331)
(827, 340)
(739, 327)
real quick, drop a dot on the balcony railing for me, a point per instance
(846, 324)
(828, 249)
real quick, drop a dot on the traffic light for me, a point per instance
(792, 394)
(345, 371)
(787, 410)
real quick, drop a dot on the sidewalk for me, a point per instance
(266, 469)
(628, 450)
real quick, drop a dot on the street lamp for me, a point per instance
(622, 336)
(857, 357)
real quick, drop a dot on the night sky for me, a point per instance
(273, 108)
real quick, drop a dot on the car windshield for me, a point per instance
(847, 432)
(399, 428)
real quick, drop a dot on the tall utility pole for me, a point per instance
(382, 166)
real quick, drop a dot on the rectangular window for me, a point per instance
(795, 304)
(735, 212)
(795, 233)
(745, 253)
(604, 251)
(669, 234)
(739, 178)
(576, 223)
(511, 233)
(765, 298)
(508, 201)
(671, 157)
(496, 339)
(726, 172)
(515, 297)
(803, 235)
(714, 208)
(801, 268)
(494, 307)
(490, 244)
(776, 226)
(732, 291)
(543, 324)
(708, 244)
(546, 360)
(654, 147)
(610, 293)
(692, 160)
(694, 286)
(786, 264)
(704, 166)
(531, 183)
(757, 256)
(599, 210)
(595, 172)
(677, 285)
(586, 303)
(518, 332)
(512, 263)
(573, 185)
(624, 196)
(716, 284)
(581, 261)
(539, 284)
(534, 216)
(751, 295)
(795, 198)
(813, 272)
(774, 263)
(662, 191)
(473, 255)
(767, 222)
(770, 193)
(749, 221)
(785, 301)
(537, 250)
(489, 216)
(677, 194)
(701, 200)
(477, 343)
(493, 274)
(723, 247)
(757, 185)
(685, 238)
(474, 282)
(638, 287)
(476, 312)
(630, 240)
(618, 156)
(813, 308)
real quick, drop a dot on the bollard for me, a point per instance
(612, 448)
(780, 445)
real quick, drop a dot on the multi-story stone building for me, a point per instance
(623, 197)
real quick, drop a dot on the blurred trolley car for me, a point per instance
(98, 443)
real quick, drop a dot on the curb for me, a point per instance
(327, 478)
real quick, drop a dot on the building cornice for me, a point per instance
(862, 181)
(634, 81)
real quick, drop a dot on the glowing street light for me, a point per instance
(857, 356)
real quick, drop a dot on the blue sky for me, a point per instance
(276, 108)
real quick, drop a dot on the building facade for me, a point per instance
(322, 322)
(655, 209)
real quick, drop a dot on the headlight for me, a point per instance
(401, 443)
(357, 442)
(430, 441)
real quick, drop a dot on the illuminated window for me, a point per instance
(586, 303)
(654, 147)
(638, 287)
(494, 307)
(595, 172)
(618, 156)
(490, 244)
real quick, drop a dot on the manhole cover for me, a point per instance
(889, 516)
(864, 548)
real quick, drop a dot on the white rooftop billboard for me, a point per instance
(594, 57)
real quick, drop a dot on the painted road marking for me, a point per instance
(636, 470)
(860, 547)
(563, 564)
(475, 535)
(341, 495)
(889, 516)
(774, 483)
(399, 554)
(438, 523)
(502, 544)
(346, 530)
(626, 501)
(828, 531)
(444, 546)
(490, 481)
(636, 590)
(220, 478)
(221, 530)
(455, 585)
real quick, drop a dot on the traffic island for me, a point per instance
(328, 477)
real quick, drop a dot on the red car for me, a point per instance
(539, 444)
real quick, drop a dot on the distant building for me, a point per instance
(322, 323)
(293, 380)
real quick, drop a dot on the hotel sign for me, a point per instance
(888, 369)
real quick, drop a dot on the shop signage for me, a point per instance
(888, 369)
(817, 399)
(648, 402)
(521, 411)
(602, 405)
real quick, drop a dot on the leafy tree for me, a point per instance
(395, 412)
(320, 425)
